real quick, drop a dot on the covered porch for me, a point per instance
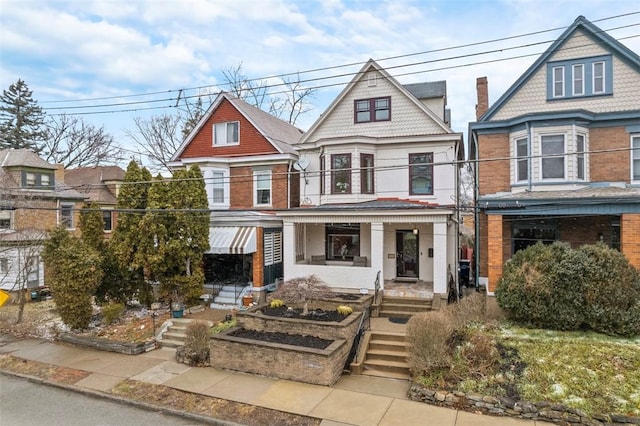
(347, 249)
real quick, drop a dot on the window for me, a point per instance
(4, 265)
(558, 82)
(552, 147)
(33, 271)
(343, 241)
(578, 79)
(340, 173)
(580, 156)
(262, 187)
(30, 179)
(525, 234)
(421, 174)
(635, 158)
(522, 159)
(374, 109)
(322, 175)
(366, 173)
(66, 215)
(33, 179)
(107, 219)
(218, 187)
(226, 133)
(598, 77)
(5, 219)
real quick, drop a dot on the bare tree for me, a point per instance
(74, 143)
(158, 138)
(287, 103)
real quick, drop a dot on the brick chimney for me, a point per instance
(482, 92)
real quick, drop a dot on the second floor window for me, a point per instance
(262, 188)
(580, 149)
(5, 219)
(421, 174)
(635, 158)
(374, 109)
(107, 219)
(66, 215)
(366, 173)
(578, 79)
(322, 175)
(218, 188)
(552, 150)
(598, 77)
(226, 133)
(522, 159)
(558, 82)
(340, 173)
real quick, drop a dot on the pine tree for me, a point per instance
(21, 119)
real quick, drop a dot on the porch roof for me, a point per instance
(232, 240)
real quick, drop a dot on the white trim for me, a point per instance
(593, 77)
(554, 81)
(226, 134)
(573, 80)
(257, 173)
(636, 153)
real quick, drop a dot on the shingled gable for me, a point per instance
(280, 134)
(593, 32)
(371, 64)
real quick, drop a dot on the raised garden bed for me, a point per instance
(263, 318)
(102, 344)
(357, 301)
(283, 361)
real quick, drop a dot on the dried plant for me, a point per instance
(302, 290)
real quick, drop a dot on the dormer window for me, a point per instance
(580, 77)
(30, 179)
(227, 133)
(37, 180)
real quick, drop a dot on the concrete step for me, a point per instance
(225, 300)
(165, 343)
(387, 355)
(385, 345)
(405, 307)
(228, 294)
(419, 301)
(385, 374)
(388, 336)
(382, 366)
(172, 335)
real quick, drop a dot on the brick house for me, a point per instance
(246, 157)
(558, 155)
(33, 200)
(378, 188)
(100, 184)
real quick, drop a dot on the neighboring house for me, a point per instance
(558, 155)
(379, 188)
(101, 185)
(33, 201)
(247, 162)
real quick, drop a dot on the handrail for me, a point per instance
(353, 352)
(376, 286)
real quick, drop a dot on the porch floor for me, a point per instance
(418, 288)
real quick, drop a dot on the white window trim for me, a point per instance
(564, 157)
(518, 159)
(585, 157)
(593, 77)
(554, 81)
(255, 187)
(72, 207)
(573, 80)
(11, 221)
(637, 152)
(225, 188)
(226, 123)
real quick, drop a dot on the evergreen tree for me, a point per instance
(92, 227)
(21, 119)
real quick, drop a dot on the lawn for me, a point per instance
(588, 371)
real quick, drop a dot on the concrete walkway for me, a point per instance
(353, 400)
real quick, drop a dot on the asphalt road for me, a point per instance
(25, 403)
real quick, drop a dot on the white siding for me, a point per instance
(406, 117)
(532, 96)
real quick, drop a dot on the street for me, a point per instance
(25, 403)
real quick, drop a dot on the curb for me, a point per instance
(115, 398)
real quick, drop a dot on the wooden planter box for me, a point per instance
(319, 367)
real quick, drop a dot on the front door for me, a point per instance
(407, 254)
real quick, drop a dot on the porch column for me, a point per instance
(289, 249)
(377, 251)
(495, 252)
(440, 258)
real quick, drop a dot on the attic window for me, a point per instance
(372, 80)
(227, 133)
(577, 78)
(374, 109)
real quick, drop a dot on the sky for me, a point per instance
(110, 61)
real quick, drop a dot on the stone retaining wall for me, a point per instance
(320, 367)
(101, 344)
(254, 319)
(542, 411)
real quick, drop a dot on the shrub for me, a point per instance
(302, 290)
(276, 303)
(111, 312)
(344, 310)
(196, 344)
(612, 293)
(542, 286)
(428, 335)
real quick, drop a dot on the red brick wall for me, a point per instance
(251, 141)
(582, 230)
(494, 176)
(241, 182)
(609, 166)
(497, 235)
(258, 259)
(630, 236)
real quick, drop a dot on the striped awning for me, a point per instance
(232, 239)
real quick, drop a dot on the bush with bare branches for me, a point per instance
(302, 290)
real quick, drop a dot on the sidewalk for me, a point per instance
(353, 400)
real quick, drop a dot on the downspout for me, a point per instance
(476, 215)
(457, 224)
(289, 186)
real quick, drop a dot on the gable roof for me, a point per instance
(277, 132)
(371, 64)
(593, 32)
(23, 158)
